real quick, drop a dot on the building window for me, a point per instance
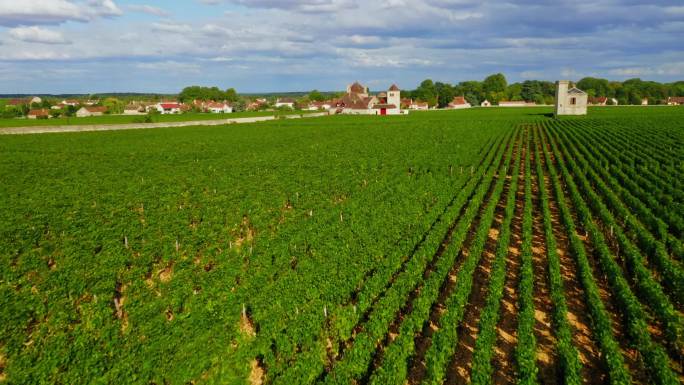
(573, 101)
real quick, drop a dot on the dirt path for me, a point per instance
(138, 126)
(543, 306)
(461, 364)
(507, 328)
(589, 354)
(422, 341)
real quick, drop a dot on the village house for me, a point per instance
(358, 101)
(644, 102)
(675, 101)
(219, 108)
(42, 113)
(134, 109)
(70, 102)
(90, 111)
(602, 101)
(570, 100)
(285, 102)
(486, 103)
(458, 102)
(166, 108)
(415, 104)
(256, 104)
(318, 106)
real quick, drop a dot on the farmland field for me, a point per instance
(486, 246)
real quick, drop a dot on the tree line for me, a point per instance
(495, 88)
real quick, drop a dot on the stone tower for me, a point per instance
(569, 101)
(394, 96)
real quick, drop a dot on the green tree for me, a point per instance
(426, 92)
(316, 96)
(114, 105)
(495, 83)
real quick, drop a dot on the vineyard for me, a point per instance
(488, 246)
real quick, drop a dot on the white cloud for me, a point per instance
(156, 11)
(169, 66)
(103, 8)
(39, 12)
(37, 35)
(32, 12)
(171, 28)
(666, 69)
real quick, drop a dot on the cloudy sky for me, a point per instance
(62, 46)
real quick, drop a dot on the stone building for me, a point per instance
(570, 101)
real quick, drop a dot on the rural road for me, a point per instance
(137, 126)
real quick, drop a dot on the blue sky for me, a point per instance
(82, 46)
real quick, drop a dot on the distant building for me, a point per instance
(256, 104)
(415, 104)
(458, 102)
(317, 106)
(70, 102)
(134, 109)
(598, 101)
(644, 102)
(486, 103)
(570, 101)
(18, 102)
(219, 108)
(675, 101)
(358, 101)
(285, 102)
(42, 113)
(90, 111)
(168, 108)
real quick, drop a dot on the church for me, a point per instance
(358, 101)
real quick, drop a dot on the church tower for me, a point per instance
(394, 96)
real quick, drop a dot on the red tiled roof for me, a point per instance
(394, 88)
(17, 102)
(41, 112)
(96, 109)
(458, 100)
(168, 106)
(357, 88)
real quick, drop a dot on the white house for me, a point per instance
(219, 108)
(70, 102)
(459, 102)
(285, 102)
(168, 107)
(90, 111)
(316, 106)
(570, 101)
(486, 103)
(415, 105)
(36, 100)
(644, 102)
